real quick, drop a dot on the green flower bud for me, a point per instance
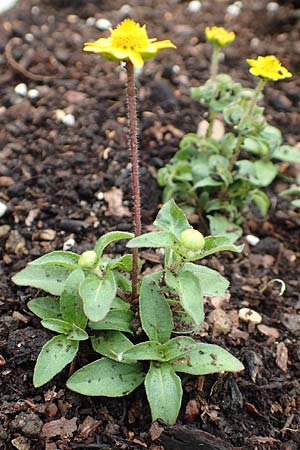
(192, 239)
(87, 259)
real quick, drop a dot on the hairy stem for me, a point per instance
(214, 63)
(133, 147)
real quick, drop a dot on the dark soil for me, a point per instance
(53, 178)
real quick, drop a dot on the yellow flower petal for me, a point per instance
(268, 67)
(136, 59)
(129, 41)
(219, 36)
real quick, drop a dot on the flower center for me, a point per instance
(129, 36)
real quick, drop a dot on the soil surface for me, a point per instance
(65, 180)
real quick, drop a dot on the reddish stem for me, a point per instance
(133, 147)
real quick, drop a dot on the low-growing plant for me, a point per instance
(93, 297)
(221, 177)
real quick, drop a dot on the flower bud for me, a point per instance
(192, 239)
(87, 259)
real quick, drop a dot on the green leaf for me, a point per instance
(296, 203)
(107, 377)
(115, 320)
(57, 325)
(49, 278)
(77, 334)
(70, 301)
(177, 346)
(164, 392)
(57, 258)
(122, 282)
(206, 358)
(97, 295)
(144, 351)
(154, 239)
(45, 307)
(219, 225)
(261, 200)
(107, 238)
(287, 153)
(266, 171)
(112, 344)
(123, 263)
(54, 356)
(155, 313)
(215, 244)
(190, 294)
(170, 218)
(212, 283)
(120, 304)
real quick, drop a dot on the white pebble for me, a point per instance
(69, 120)
(35, 10)
(194, 6)
(100, 195)
(33, 93)
(3, 209)
(252, 240)
(233, 10)
(103, 24)
(69, 244)
(59, 114)
(21, 89)
(254, 43)
(176, 69)
(90, 21)
(272, 7)
(29, 37)
(126, 10)
(248, 315)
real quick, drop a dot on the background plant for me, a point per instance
(93, 297)
(221, 178)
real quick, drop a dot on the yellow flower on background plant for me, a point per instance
(219, 36)
(128, 42)
(268, 68)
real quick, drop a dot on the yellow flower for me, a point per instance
(219, 36)
(129, 41)
(268, 68)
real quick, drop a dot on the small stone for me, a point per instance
(15, 243)
(29, 37)
(33, 93)
(99, 195)
(252, 240)
(272, 7)
(47, 235)
(72, 18)
(21, 443)
(6, 181)
(233, 10)
(194, 6)
(21, 89)
(59, 114)
(269, 331)
(3, 209)
(221, 324)
(126, 10)
(4, 230)
(90, 21)
(69, 120)
(249, 315)
(103, 24)
(28, 423)
(69, 244)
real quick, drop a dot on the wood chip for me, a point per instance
(268, 331)
(88, 426)
(61, 427)
(192, 411)
(221, 324)
(114, 198)
(282, 356)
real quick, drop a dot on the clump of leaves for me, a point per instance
(92, 301)
(221, 178)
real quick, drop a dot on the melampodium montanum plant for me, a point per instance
(93, 293)
(221, 178)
